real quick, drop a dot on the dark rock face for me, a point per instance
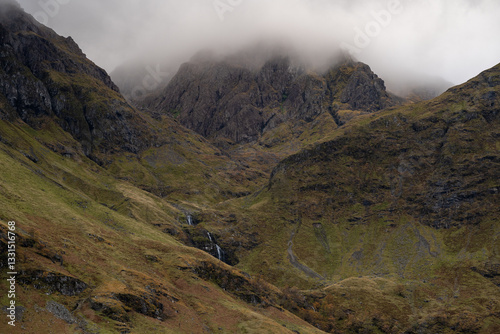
(111, 309)
(46, 76)
(52, 282)
(40, 48)
(490, 271)
(364, 90)
(224, 99)
(435, 161)
(147, 305)
(208, 242)
(117, 305)
(241, 286)
(61, 312)
(19, 312)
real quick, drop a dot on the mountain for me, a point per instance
(253, 194)
(58, 86)
(233, 100)
(57, 83)
(264, 103)
(394, 223)
(97, 189)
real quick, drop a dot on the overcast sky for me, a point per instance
(454, 39)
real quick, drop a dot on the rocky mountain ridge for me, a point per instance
(337, 210)
(225, 99)
(45, 75)
(47, 82)
(409, 194)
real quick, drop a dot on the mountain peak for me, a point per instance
(242, 96)
(14, 18)
(47, 76)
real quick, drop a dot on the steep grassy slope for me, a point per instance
(407, 200)
(97, 189)
(46, 81)
(92, 256)
(387, 224)
(185, 167)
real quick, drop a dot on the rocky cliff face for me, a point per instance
(232, 100)
(45, 76)
(47, 83)
(389, 223)
(437, 161)
(410, 194)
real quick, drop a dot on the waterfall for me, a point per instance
(220, 252)
(190, 220)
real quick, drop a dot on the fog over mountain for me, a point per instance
(274, 184)
(454, 40)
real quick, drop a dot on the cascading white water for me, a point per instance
(189, 220)
(219, 252)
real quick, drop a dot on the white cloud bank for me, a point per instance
(454, 39)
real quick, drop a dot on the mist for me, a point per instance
(450, 39)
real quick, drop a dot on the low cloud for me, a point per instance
(453, 39)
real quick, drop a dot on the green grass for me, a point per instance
(367, 185)
(373, 184)
(103, 227)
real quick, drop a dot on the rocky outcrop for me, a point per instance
(435, 161)
(365, 90)
(45, 76)
(490, 271)
(118, 304)
(52, 282)
(237, 283)
(233, 100)
(208, 242)
(61, 312)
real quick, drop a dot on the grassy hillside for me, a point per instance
(92, 255)
(402, 205)
(339, 217)
(98, 190)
